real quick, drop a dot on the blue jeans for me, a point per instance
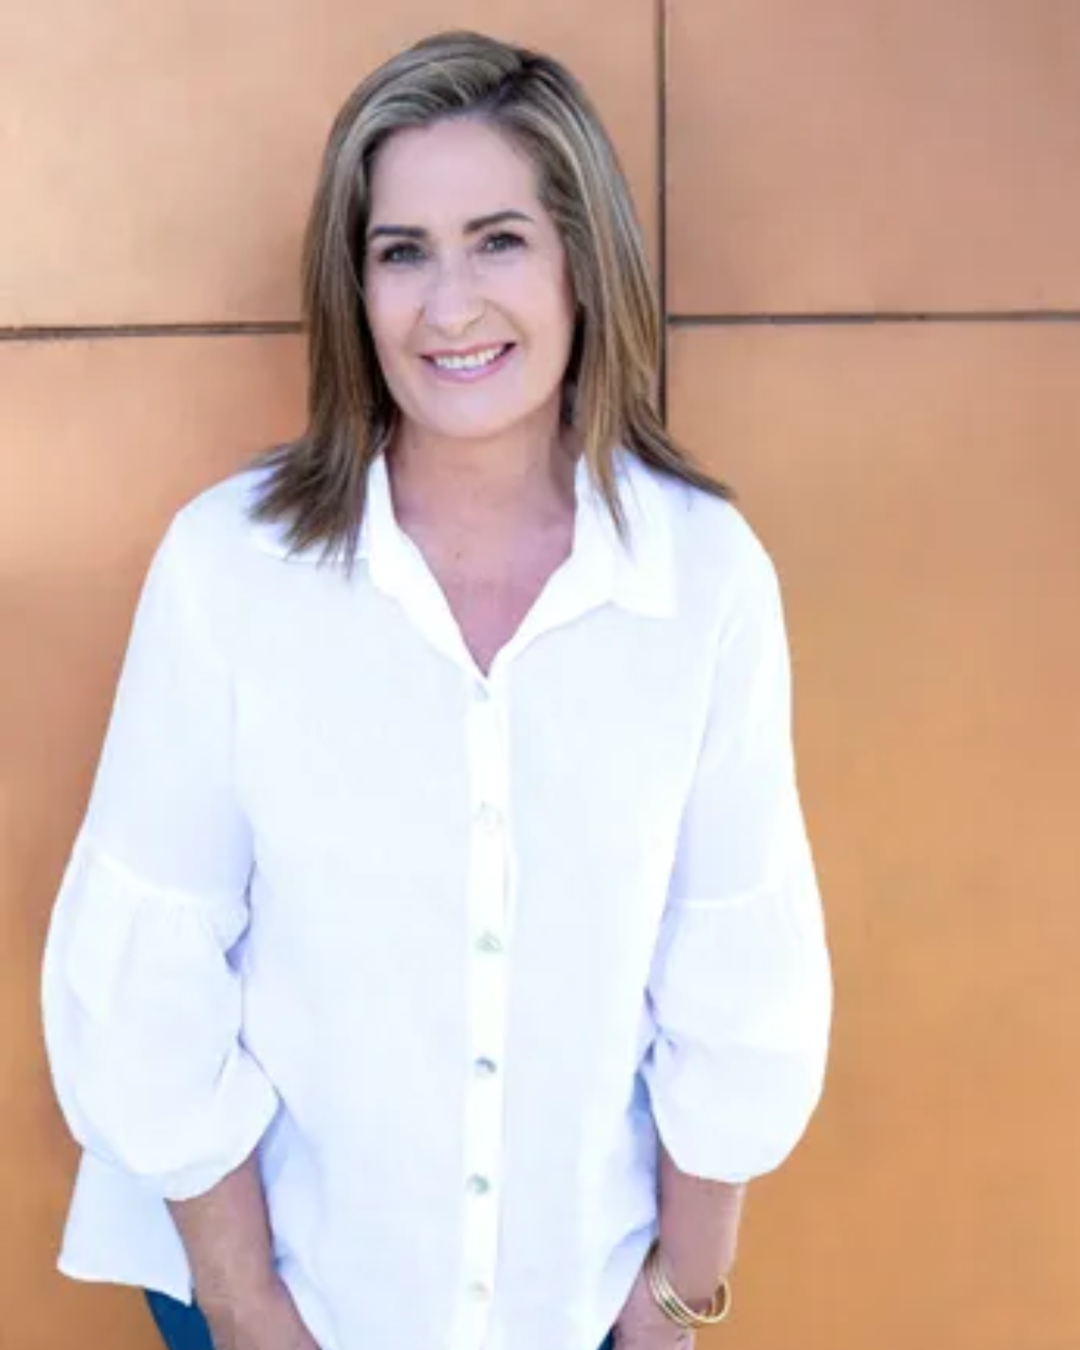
(184, 1328)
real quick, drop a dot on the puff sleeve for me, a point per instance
(141, 998)
(740, 989)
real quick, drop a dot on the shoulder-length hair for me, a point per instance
(316, 484)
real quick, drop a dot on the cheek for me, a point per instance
(388, 315)
(562, 322)
(549, 303)
(564, 308)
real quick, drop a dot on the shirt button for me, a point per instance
(480, 1291)
(485, 1068)
(489, 942)
(478, 1185)
(481, 693)
(489, 818)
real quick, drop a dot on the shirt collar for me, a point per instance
(636, 572)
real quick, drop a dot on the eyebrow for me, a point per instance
(471, 226)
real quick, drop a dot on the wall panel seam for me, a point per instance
(104, 332)
(661, 194)
(869, 317)
(97, 332)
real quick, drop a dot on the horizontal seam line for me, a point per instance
(94, 332)
(875, 317)
(170, 896)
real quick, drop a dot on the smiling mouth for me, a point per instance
(470, 361)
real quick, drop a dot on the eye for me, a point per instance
(503, 242)
(400, 254)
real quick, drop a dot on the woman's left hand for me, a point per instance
(642, 1326)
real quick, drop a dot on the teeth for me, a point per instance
(475, 361)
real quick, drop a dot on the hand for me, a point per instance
(266, 1321)
(642, 1326)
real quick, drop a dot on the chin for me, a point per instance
(472, 430)
(481, 425)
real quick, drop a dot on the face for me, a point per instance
(466, 282)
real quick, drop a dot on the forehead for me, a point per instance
(450, 171)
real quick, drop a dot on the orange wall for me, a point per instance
(917, 481)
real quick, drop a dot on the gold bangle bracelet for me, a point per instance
(673, 1307)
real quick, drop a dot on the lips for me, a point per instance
(475, 358)
(476, 363)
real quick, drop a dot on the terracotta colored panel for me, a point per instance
(101, 442)
(879, 155)
(158, 160)
(920, 491)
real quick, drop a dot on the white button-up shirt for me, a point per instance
(450, 949)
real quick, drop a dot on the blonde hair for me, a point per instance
(317, 483)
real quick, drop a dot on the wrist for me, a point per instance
(233, 1294)
(692, 1273)
(687, 1305)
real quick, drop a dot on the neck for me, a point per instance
(496, 485)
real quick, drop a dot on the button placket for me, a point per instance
(489, 921)
(489, 818)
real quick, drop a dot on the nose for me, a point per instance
(453, 302)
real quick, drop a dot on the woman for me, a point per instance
(441, 952)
